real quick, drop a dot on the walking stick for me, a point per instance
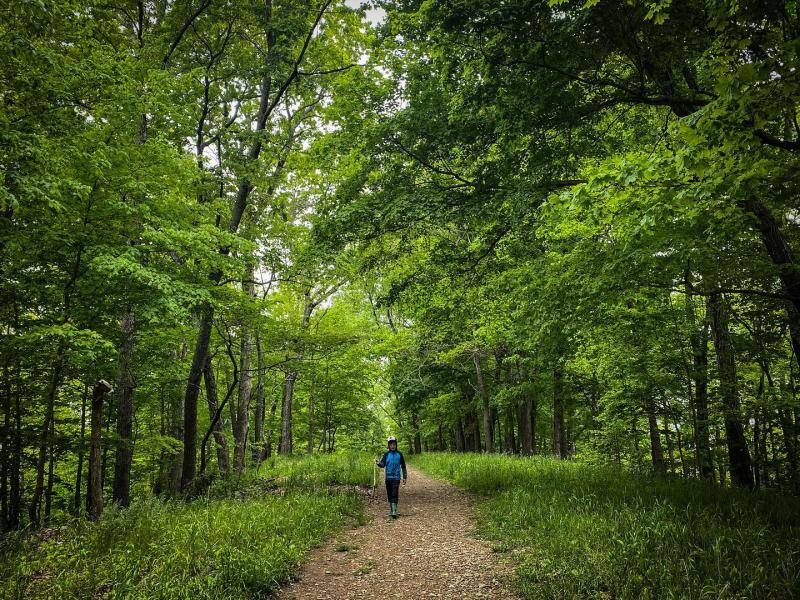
(374, 477)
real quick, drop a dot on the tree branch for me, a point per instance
(182, 31)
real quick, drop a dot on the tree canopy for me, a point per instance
(532, 226)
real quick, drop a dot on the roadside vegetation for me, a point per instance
(586, 531)
(239, 539)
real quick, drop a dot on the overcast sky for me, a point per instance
(375, 15)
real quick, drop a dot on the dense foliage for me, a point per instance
(158, 184)
(231, 230)
(584, 217)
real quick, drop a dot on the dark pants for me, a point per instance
(393, 490)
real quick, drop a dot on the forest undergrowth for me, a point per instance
(239, 538)
(578, 530)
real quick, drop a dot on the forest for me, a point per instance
(551, 245)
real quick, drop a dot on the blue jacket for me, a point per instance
(393, 461)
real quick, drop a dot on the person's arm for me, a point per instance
(382, 462)
(403, 466)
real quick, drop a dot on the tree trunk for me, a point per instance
(487, 412)
(285, 446)
(524, 426)
(241, 425)
(761, 449)
(212, 400)
(94, 495)
(104, 462)
(459, 436)
(511, 442)
(312, 412)
(417, 438)
(44, 440)
(656, 452)
(738, 453)
(310, 436)
(76, 503)
(15, 483)
(48, 496)
(699, 374)
(787, 429)
(559, 432)
(258, 421)
(704, 457)
(497, 430)
(756, 444)
(476, 433)
(670, 446)
(202, 344)
(124, 392)
(781, 254)
(5, 449)
(679, 439)
(267, 452)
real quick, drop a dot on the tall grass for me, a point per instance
(323, 470)
(580, 531)
(211, 547)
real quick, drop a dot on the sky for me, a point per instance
(375, 15)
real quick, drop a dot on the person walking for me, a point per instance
(394, 463)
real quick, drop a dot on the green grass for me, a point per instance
(581, 531)
(322, 470)
(240, 539)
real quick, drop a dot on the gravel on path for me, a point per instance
(428, 552)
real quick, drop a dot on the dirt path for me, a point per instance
(426, 553)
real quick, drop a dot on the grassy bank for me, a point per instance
(239, 538)
(580, 531)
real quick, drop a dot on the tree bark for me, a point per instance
(789, 443)
(510, 440)
(761, 449)
(48, 496)
(94, 496)
(524, 425)
(488, 431)
(124, 392)
(782, 256)
(738, 453)
(656, 451)
(476, 433)
(417, 437)
(559, 432)
(202, 344)
(212, 400)
(258, 421)
(7, 445)
(241, 425)
(44, 440)
(15, 483)
(267, 452)
(699, 374)
(459, 436)
(285, 446)
(76, 503)
(311, 303)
